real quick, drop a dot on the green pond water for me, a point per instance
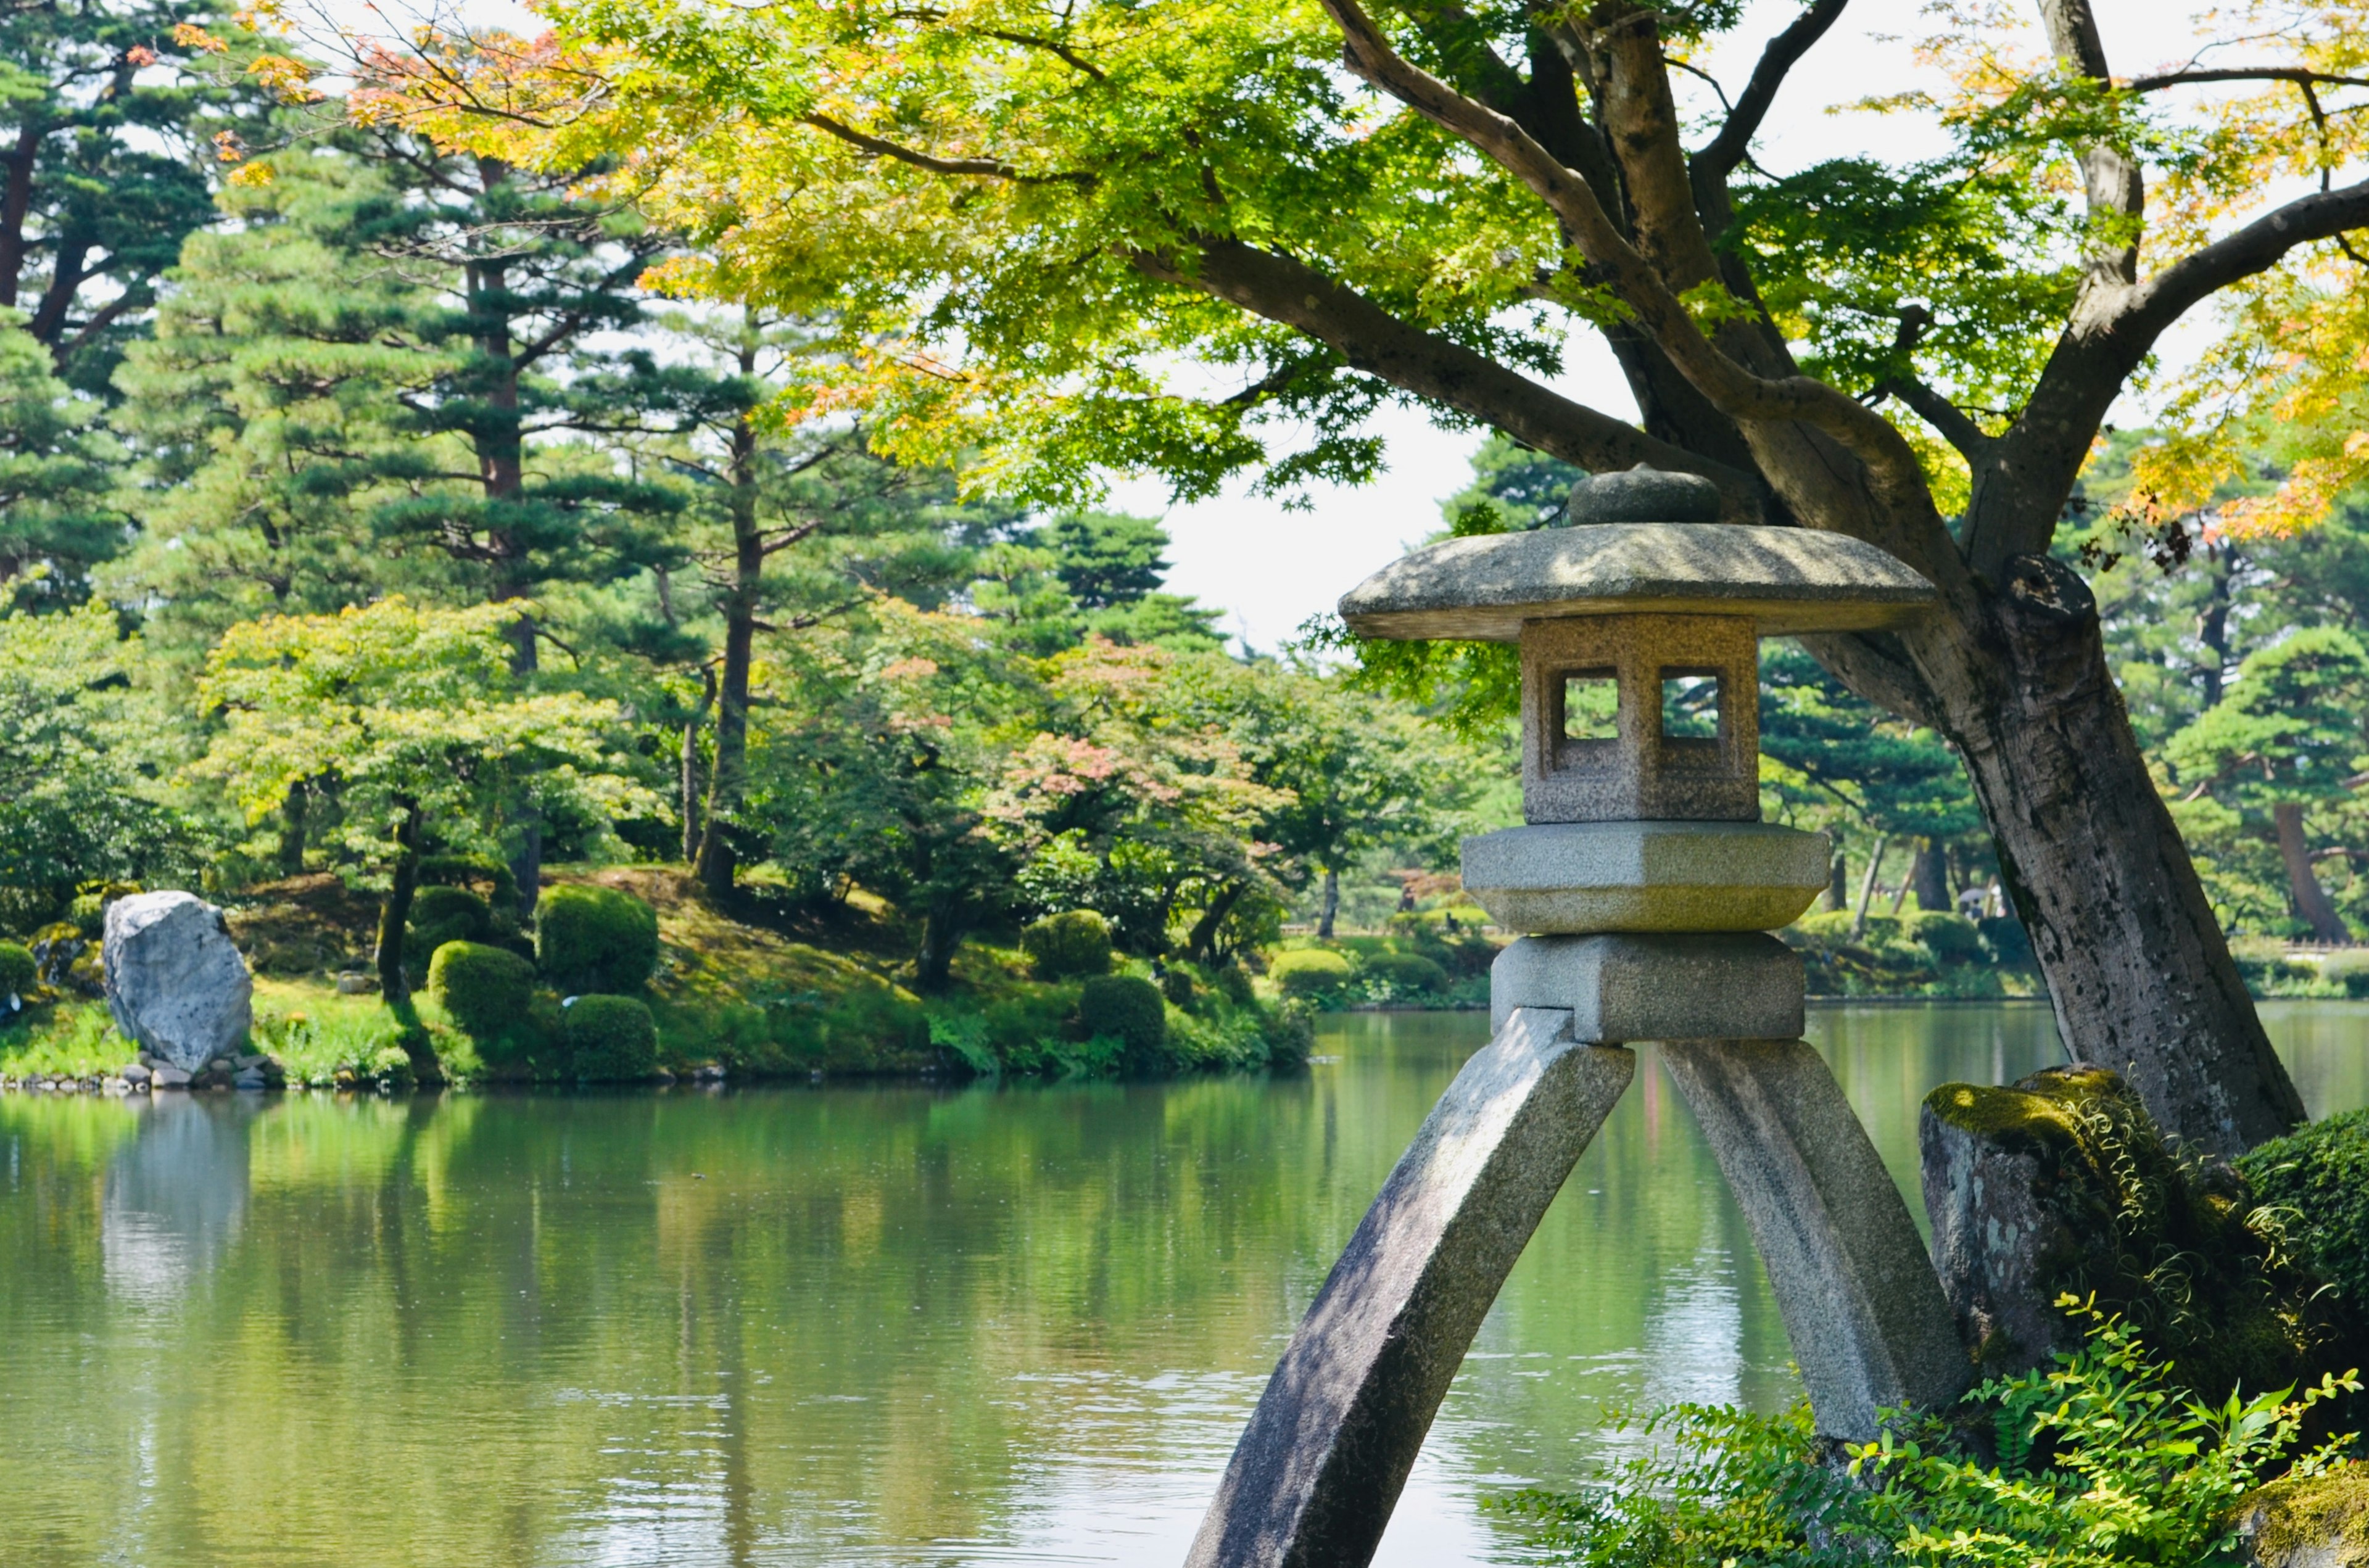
(896, 1324)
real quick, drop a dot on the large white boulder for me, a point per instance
(175, 982)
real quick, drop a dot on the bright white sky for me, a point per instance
(1272, 568)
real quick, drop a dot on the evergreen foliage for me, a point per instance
(1130, 1011)
(1073, 944)
(488, 993)
(611, 1039)
(595, 939)
(2319, 1177)
(17, 973)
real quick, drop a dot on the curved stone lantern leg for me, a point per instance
(1863, 1310)
(1312, 1481)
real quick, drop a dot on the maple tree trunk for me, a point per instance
(1330, 908)
(2136, 964)
(1867, 885)
(2310, 897)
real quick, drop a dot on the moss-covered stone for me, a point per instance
(2063, 1183)
(589, 938)
(2319, 1521)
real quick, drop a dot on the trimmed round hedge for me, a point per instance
(591, 939)
(1306, 971)
(1407, 972)
(1071, 945)
(1130, 1011)
(489, 992)
(612, 1038)
(17, 970)
(440, 915)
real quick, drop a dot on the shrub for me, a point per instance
(1407, 974)
(595, 939)
(489, 992)
(1177, 985)
(1122, 1008)
(2350, 971)
(1952, 939)
(465, 870)
(1309, 971)
(17, 971)
(2321, 1173)
(612, 1038)
(440, 915)
(1069, 945)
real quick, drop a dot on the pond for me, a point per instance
(864, 1325)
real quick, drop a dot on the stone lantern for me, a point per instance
(1644, 885)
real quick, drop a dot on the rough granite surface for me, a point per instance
(1570, 879)
(177, 985)
(1679, 987)
(1322, 1461)
(1788, 579)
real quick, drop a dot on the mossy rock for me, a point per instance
(612, 1039)
(592, 939)
(489, 992)
(1130, 1011)
(1074, 945)
(1309, 971)
(2063, 1183)
(2308, 1521)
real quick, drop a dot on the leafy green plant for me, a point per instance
(1129, 1011)
(2319, 1174)
(595, 939)
(612, 1038)
(1309, 971)
(489, 992)
(1073, 944)
(2100, 1460)
(17, 972)
(1405, 974)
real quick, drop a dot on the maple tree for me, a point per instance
(1023, 218)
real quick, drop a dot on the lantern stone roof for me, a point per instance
(1788, 579)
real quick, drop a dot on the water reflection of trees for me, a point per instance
(800, 1325)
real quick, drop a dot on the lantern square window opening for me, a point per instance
(1693, 723)
(1588, 717)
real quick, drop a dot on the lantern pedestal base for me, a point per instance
(1716, 985)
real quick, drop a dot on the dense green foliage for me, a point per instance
(2105, 1460)
(16, 971)
(596, 939)
(1071, 945)
(487, 992)
(1129, 1011)
(611, 1039)
(2319, 1177)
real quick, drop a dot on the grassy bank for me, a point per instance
(758, 1000)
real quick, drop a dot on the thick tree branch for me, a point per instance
(2117, 194)
(1720, 156)
(1953, 423)
(1296, 295)
(1734, 389)
(2041, 456)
